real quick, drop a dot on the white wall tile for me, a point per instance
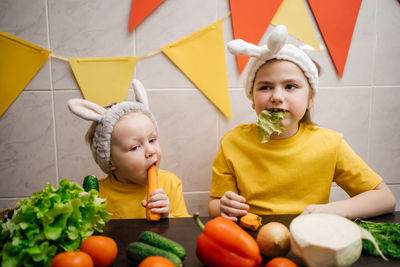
(27, 20)
(27, 152)
(90, 28)
(387, 50)
(197, 202)
(187, 132)
(345, 110)
(385, 133)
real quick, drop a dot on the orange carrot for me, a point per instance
(152, 184)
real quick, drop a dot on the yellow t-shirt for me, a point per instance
(124, 200)
(284, 176)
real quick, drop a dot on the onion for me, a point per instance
(273, 239)
(327, 240)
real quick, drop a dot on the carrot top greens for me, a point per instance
(387, 235)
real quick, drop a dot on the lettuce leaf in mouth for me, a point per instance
(49, 222)
(269, 122)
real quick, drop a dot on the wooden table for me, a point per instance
(185, 232)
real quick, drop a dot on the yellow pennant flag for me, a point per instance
(201, 57)
(103, 80)
(293, 14)
(19, 63)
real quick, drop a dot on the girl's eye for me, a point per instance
(291, 86)
(152, 140)
(264, 88)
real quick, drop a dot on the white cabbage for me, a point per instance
(327, 240)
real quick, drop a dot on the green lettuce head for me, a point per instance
(269, 122)
(51, 221)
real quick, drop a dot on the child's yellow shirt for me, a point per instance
(124, 200)
(284, 176)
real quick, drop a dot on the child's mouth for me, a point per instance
(275, 110)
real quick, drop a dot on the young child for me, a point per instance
(124, 143)
(293, 172)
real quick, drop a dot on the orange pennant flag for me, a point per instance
(19, 63)
(201, 57)
(250, 20)
(103, 80)
(336, 21)
(140, 9)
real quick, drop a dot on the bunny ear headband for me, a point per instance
(107, 118)
(276, 48)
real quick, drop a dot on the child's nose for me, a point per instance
(277, 95)
(149, 151)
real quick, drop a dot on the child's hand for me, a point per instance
(158, 203)
(233, 205)
(319, 208)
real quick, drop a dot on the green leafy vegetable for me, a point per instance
(51, 221)
(268, 122)
(387, 235)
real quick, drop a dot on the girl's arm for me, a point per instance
(214, 206)
(367, 204)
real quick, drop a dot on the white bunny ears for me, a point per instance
(276, 48)
(107, 118)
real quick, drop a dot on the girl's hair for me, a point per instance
(307, 116)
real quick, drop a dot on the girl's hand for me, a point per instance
(233, 205)
(158, 203)
(320, 208)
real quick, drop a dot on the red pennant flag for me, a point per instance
(250, 20)
(336, 21)
(140, 9)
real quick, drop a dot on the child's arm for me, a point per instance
(158, 203)
(230, 205)
(367, 204)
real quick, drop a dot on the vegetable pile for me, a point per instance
(387, 235)
(51, 221)
(269, 122)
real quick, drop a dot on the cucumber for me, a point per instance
(138, 251)
(162, 242)
(90, 182)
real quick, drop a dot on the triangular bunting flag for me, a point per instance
(140, 9)
(293, 14)
(250, 20)
(336, 21)
(19, 63)
(201, 57)
(103, 80)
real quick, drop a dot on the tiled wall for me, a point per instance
(41, 141)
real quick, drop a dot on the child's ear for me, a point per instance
(112, 166)
(310, 103)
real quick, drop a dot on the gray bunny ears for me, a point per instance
(276, 48)
(93, 112)
(107, 118)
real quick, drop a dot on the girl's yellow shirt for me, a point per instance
(124, 200)
(285, 176)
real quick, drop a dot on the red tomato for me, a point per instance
(280, 262)
(72, 259)
(102, 249)
(156, 261)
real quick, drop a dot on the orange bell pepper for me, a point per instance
(223, 243)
